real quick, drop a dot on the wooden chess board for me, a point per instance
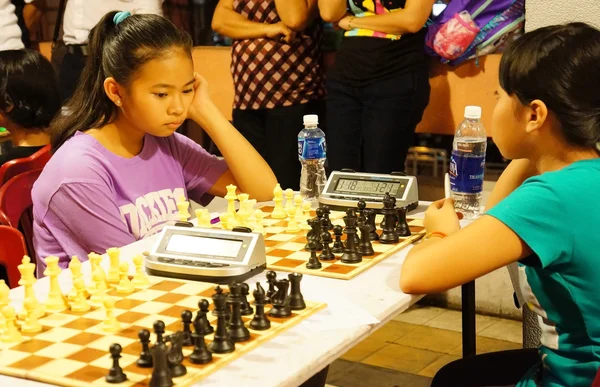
(73, 350)
(285, 251)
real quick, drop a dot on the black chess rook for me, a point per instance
(402, 227)
(296, 297)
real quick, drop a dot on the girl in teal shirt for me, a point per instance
(547, 118)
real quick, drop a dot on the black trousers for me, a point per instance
(274, 134)
(371, 128)
(504, 368)
(70, 70)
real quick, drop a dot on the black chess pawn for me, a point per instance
(161, 373)
(338, 245)
(370, 213)
(402, 228)
(365, 248)
(271, 278)
(175, 354)
(351, 253)
(326, 254)
(361, 205)
(260, 322)
(115, 374)
(145, 359)
(237, 331)
(313, 262)
(201, 354)
(326, 212)
(296, 299)
(319, 212)
(281, 307)
(186, 319)
(246, 309)
(221, 343)
(201, 316)
(159, 330)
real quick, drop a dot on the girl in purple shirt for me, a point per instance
(119, 167)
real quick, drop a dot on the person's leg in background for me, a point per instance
(343, 133)
(70, 70)
(251, 124)
(392, 110)
(495, 369)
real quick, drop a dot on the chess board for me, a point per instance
(285, 251)
(73, 350)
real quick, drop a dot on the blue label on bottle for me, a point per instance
(311, 148)
(466, 173)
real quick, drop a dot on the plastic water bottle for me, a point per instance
(467, 163)
(312, 152)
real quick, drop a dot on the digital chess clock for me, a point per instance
(209, 255)
(345, 188)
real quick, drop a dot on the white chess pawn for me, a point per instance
(113, 271)
(292, 224)
(298, 205)
(230, 197)
(125, 285)
(183, 214)
(307, 207)
(224, 218)
(11, 333)
(289, 198)
(203, 217)
(278, 211)
(251, 219)
(75, 268)
(110, 324)
(80, 303)
(55, 301)
(242, 213)
(259, 215)
(140, 279)
(31, 323)
(99, 279)
(95, 260)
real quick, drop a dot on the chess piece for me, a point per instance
(281, 307)
(365, 248)
(296, 300)
(338, 245)
(251, 221)
(313, 262)
(175, 354)
(314, 235)
(206, 328)
(246, 309)
(292, 226)
(260, 322)
(140, 279)
(95, 260)
(4, 299)
(221, 343)
(31, 323)
(278, 211)
(242, 213)
(55, 301)
(326, 254)
(159, 330)
(201, 354)
(224, 219)
(11, 333)
(161, 373)
(237, 331)
(259, 215)
(110, 324)
(75, 268)
(402, 228)
(351, 254)
(388, 225)
(186, 319)
(326, 212)
(203, 217)
(115, 374)
(289, 200)
(271, 278)
(125, 285)
(306, 208)
(80, 303)
(231, 197)
(145, 359)
(298, 206)
(370, 214)
(99, 279)
(361, 205)
(113, 271)
(183, 214)
(26, 269)
(351, 214)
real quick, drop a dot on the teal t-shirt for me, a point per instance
(558, 215)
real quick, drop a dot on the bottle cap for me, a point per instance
(473, 112)
(311, 119)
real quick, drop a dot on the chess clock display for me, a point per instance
(205, 254)
(345, 188)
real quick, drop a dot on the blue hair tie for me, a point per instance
(120, 16)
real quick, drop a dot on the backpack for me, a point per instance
(498, 22)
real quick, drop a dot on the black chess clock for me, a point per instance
(345, 188)
(209, 255)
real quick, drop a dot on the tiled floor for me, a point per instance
(411, 348)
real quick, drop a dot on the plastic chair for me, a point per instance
(16, 205)
(12, 168)
(12, 250)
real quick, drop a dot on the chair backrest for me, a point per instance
(12, 250)
(12, 168)
(16, 205)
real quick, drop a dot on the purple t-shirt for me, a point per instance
(88, 199)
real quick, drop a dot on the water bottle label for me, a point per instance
(466, 173)
(312, 148)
